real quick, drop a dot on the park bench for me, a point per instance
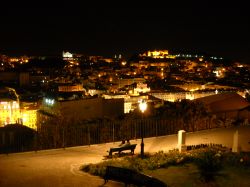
(130, 147)
(128, 176)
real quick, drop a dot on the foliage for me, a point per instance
(191, 113)
(150, 162)
(209, 161)
(209, 164)
(237, 159)
(247, 96)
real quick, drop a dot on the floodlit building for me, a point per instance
(70, 88)
(12, 113)
(29, 118)
(28, 109)
(158, 54)
(9, 106)
(67, 55)
(130, 102)
(142, 88)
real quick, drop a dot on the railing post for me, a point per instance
(89, 135)
(135, 128)
(113, 126)
(142, 142)
(36, 136)
(63, 138)
(156, 128)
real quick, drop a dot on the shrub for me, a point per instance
(246, 159)
(237, 159)
(137, 164)
(232, 159)
(208, 161)
(209, 164)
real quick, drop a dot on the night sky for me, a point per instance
(126, 28)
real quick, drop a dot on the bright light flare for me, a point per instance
(142, 105)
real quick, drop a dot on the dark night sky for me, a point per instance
(108, 29)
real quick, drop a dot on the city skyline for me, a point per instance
(108, 29)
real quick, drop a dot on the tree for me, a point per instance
(247, 96)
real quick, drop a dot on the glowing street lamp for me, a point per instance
(143, 107)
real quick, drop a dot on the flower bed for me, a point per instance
(209, 161)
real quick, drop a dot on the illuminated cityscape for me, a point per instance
(159, 93)
(165, 76)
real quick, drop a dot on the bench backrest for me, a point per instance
(126, 147)
(132, 146)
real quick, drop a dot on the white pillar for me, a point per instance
(235, 147)
(181, 140)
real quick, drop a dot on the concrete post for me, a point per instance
(235, 147)
(181, 140)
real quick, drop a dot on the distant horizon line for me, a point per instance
(127, 54)
(58, 54)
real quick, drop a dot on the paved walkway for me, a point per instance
(60, 168)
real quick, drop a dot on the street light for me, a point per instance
(143, 107)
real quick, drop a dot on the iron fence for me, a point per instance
(54, 136)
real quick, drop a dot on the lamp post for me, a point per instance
(143, 107)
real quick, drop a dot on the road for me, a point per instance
(60, 167)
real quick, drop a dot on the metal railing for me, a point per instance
(54, 136)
